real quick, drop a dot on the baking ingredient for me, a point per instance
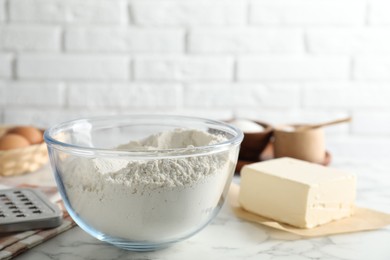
(13, 141)
(296, 192)
(247, 126)
(150, 199)
(178, 138)
(32, 134)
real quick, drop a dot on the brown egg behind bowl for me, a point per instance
(32, 134)
(21, 160)
(13, 141)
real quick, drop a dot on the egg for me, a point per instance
(13, 141)
(32, 134)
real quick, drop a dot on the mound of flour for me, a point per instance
(178, 138)
(149, 199)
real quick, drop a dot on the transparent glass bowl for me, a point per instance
(108, 198)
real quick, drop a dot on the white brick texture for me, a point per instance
(267, 95)
(48, 117)
(215, 113)
(371, 122)
(379, 12)
(347, 95)
(44, 117)
(208, 95)
(188, 13)
(30, 38)
(133, 95)
(2, 94)
(348, 40)
(241, 95)
(6, 65)
(246, 40)
(69, 11)
(281, 61)
(124, 40)
(307, 12)
(183, 68)
(372, 67)
(38, 66)
(34, 94)
(2, 11)
(278, 67)
(361, 149)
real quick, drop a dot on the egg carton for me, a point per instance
(25, 209)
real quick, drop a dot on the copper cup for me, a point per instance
(308, 145)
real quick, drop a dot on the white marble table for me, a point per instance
(228, 237)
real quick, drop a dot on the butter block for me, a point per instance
(296, 192)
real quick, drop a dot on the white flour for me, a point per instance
(149, 200)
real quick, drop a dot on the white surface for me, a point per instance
(228, 237)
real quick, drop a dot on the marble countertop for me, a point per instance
(229, 237)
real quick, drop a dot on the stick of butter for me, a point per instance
(296, 192)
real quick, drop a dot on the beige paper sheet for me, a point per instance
(363, 219)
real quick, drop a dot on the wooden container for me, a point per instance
(254, 143)
(22, 160)
(308, 145)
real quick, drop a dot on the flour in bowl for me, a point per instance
(150, 199)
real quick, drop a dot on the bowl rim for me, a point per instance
(161, 153)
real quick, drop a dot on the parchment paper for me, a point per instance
(362, 219)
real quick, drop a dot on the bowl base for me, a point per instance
(137, 246)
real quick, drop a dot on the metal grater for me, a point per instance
(25, 209)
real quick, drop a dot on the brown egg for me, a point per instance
(13, 141)
(32, 134)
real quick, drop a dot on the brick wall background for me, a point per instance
(279, 61)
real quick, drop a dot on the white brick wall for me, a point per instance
(366, 122)
(183, 68)
(240, 95)
(2, 94)
(188, 13)
(375, 67)
(6, 65)
(83, 67)
(37, 94)
(30, 38)
(379, 12)
(2, 10)
(112, 39)
(307, 12)
(246, 40)
(113, 95)
(347, 95)
(369, 122)
(69, 11)
(279, 61)
(43, 117)
(349, 40)
(287, 67)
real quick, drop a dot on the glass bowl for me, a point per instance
(142, 199)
